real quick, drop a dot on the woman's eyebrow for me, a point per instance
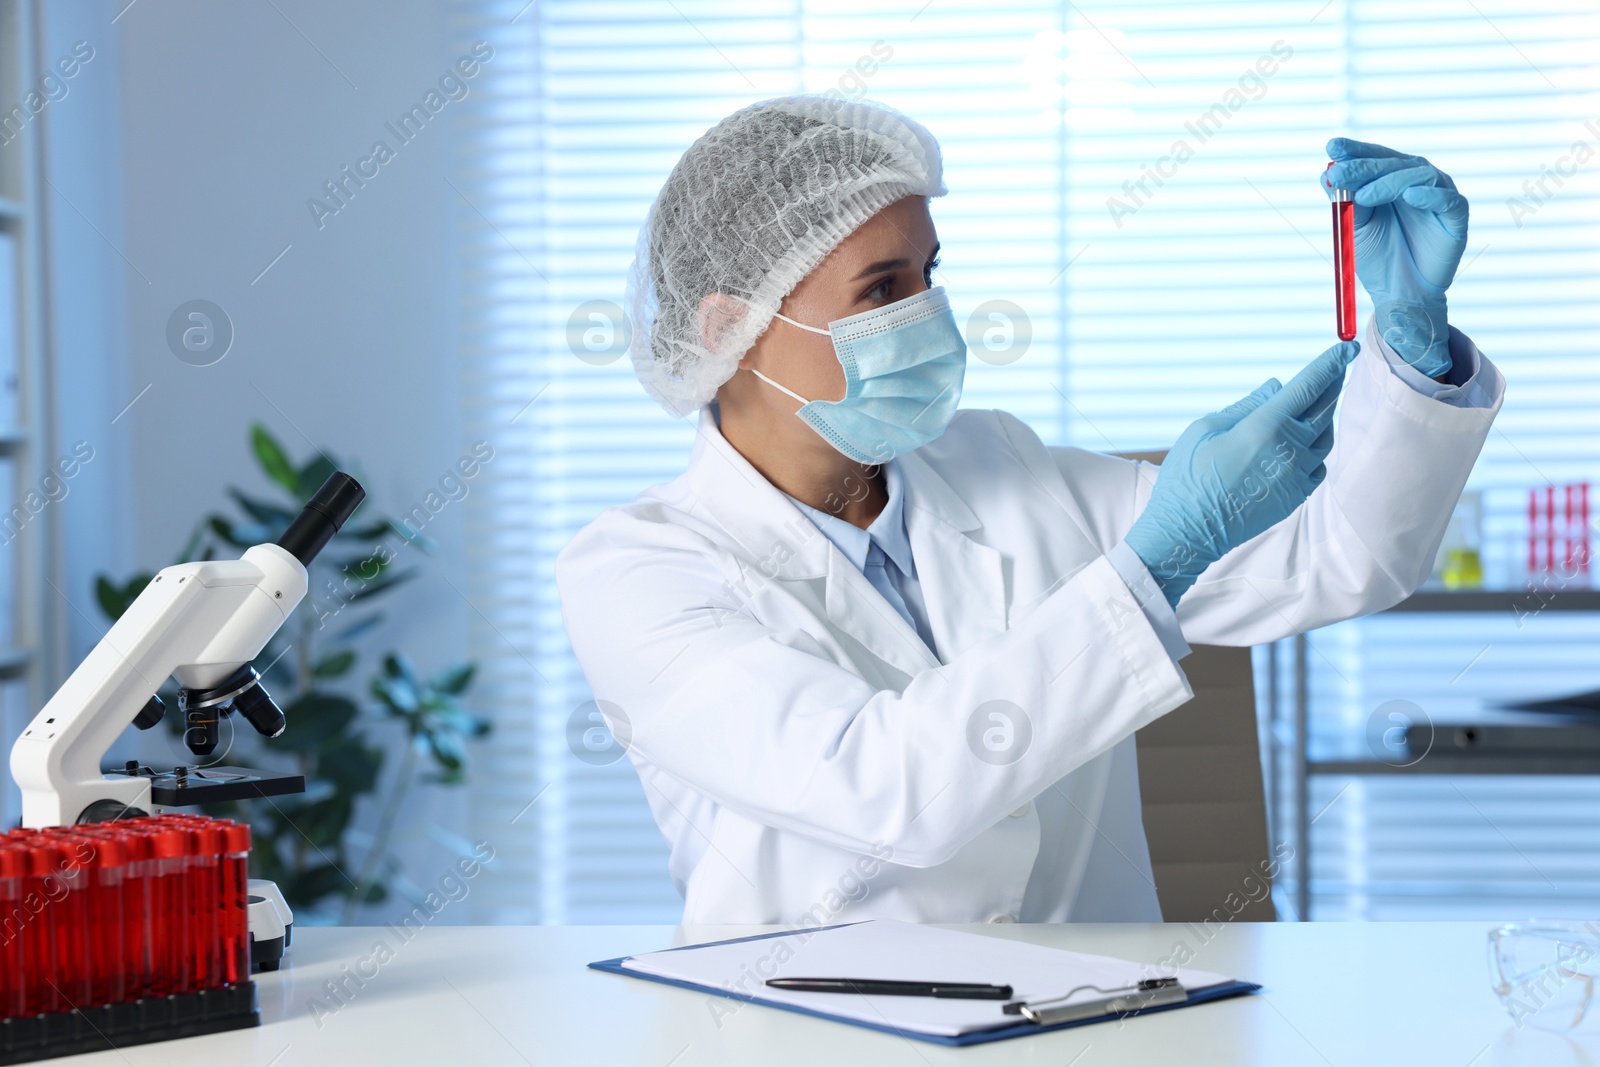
(890, 264)
(881, 266)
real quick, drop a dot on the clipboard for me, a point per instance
(1009, 1021)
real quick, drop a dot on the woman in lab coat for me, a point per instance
(872, 656)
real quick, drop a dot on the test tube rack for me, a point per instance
(122, 933)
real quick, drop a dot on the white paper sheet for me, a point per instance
(888, 949)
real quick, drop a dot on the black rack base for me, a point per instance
(137, 1022)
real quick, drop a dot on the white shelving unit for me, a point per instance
(29, 617)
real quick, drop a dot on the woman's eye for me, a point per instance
(881, 290)
(927, 272)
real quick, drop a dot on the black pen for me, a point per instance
(891, 988)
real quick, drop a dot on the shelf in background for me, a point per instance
(1518, 601)
(1436, 763)
(9, 209)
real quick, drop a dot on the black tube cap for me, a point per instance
(322, 517)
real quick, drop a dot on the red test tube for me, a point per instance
(1550, 527)
(1344, 260)
(1568, 542)
(49, 964)
(234, 900)
(136, 911)
(1583, 522)
(13, 914)
(205, 842)
(107, 945)
(170, 930)
(75, 917)
(1533, 530)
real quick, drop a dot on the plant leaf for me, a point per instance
(360, 627)
(382, 585)
(261, 511)
(335, 665)
(414, 537)
(312, 885)
(323, 823)
(398, 665)
(455, 680)
(371, 532)
(397, 694)
(115, 600)
(240, 536)
(351, 766)
(193, 545)
(313, 719)
(271, 456)
(368, 568)
(446, 749)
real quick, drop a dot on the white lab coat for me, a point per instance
(808, 759)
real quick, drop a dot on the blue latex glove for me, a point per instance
(1411, 228)
(1237, 472)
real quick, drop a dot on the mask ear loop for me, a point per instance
(769, 381)
(778, 387)
(803, 326)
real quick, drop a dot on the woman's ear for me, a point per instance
(719, 315)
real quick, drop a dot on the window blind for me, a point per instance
(1134, 235)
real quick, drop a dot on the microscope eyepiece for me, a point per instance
(322, 517)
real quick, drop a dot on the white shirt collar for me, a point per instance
(887, 531)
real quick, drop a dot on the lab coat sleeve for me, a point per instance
(1464, 386)
(1367, 536)
(1152, 601)
(768, 722)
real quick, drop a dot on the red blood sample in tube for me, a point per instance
(1550, 528)
(234, 900)
(46, 965)
(171, 932)
(205, 846)
(1344, 261)
(61, 982)
(108, 976)
(13, 874)
(1583, 525)
(136, 911)
(75, 919)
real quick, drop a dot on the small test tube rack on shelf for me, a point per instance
(121, 933)
(1558, 530)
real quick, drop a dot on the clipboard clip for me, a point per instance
(1119, 1000)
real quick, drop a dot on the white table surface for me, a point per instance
(1335, 994)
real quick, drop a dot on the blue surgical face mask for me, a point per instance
(903, 364)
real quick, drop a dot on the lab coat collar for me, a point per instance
(751, 510)
(759, 516)
(965, 593)
(888, 530)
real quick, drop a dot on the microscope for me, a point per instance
(203, 624)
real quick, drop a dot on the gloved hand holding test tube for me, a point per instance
(1401, 225)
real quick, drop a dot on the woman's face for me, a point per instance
(890, 257)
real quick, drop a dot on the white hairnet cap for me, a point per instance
(752, 207)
